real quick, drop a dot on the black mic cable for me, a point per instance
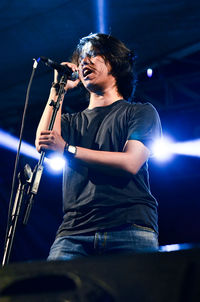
(35, 64)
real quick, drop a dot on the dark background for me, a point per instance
(165, 36)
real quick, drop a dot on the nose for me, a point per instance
(85, 60)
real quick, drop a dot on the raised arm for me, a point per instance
(47, 113)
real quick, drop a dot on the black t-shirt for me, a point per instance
(94, 200)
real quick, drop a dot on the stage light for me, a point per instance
(56, 162)
(101, 16)
(149, 72)
(10, 142)
(165, 148)
(162, 149)
(190, 148)
(175, 247)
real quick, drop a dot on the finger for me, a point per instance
(55, 76)
(73, 66)
(44, 136)
(47, 136)
(44, 141)
(43, 132)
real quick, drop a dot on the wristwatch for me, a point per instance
(69, 150)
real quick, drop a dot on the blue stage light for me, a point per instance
(190, 148)
(10, 142)
(101, 16)
(175, 247)
(149, 72)
(162, 149)
(56, 162)
(165, 148)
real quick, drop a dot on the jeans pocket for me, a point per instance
(144, 228)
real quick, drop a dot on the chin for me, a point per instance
(95, 88)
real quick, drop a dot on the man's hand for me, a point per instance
(50, 140)
(70, 84)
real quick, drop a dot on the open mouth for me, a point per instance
(86, 72)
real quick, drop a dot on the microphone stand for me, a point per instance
(32, 179)
(37, 173)
(24, 177)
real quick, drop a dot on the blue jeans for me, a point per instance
(132, 238)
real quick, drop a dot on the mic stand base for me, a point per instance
(24, 177)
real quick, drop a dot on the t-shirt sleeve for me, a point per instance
(144, 125)
(65, 126)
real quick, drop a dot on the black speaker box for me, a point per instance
(144, 277)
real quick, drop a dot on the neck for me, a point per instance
(105, 98)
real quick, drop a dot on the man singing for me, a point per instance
(108, 205)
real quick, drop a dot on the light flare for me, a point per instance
(10, 142)
(165, 148)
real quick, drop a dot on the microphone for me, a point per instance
(62, 69)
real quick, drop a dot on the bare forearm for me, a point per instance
(47, 114)
(110, 161)
(46, 117)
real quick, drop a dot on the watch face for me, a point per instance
(72, 149)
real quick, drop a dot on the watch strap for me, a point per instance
(69, 150)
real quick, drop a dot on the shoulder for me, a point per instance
(139, 109)
(68, 117)
(147, 111)
(142, 107)
(137, 106)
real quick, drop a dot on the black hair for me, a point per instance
(120, 58)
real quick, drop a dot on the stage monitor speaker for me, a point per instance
(149, 277)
